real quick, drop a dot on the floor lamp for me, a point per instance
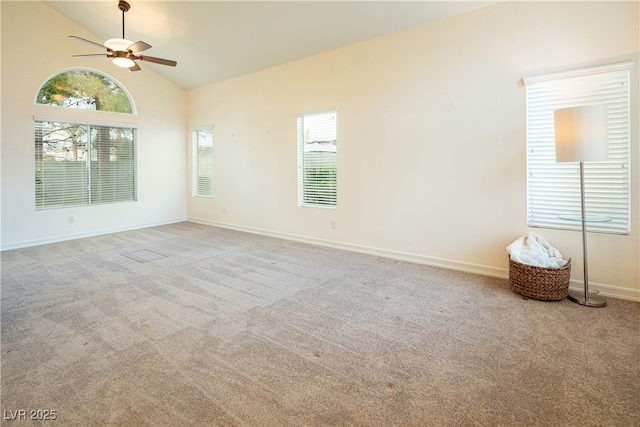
(581, 135)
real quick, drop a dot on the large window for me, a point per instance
(317, 166)
(202, 165)
(80, 164)
(553, 189)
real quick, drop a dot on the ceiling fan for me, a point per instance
(125, 53)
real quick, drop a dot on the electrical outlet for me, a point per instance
(224, 210)
(333, 224)
(71, 220)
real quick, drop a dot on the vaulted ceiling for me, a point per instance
(218, 40)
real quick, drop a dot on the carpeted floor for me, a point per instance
(189, 325)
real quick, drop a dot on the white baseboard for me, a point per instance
(92, 233)
(502, 273)
(386, 253)
(607, 290)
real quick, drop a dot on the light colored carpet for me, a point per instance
(189, 325)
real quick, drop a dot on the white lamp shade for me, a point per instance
(581, 134)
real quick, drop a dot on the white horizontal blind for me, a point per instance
(112, 165)
(62, 164)
(81, 164)
(202, 164)
(553, 189)
(317, 165)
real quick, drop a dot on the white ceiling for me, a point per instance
(217, 40)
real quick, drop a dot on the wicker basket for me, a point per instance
(548, 284)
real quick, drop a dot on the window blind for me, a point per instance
(317, 165)
(202, 164)
(81, 164)
(553, 189)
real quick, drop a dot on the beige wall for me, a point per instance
(431, 139)
(35, 46)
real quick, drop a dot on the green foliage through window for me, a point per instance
(85, 90)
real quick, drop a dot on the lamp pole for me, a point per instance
(581, 135)
(585, 298)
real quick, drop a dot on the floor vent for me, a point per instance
(144, 255)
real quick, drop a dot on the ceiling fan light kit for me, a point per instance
(121, 59)
(123, 52)
(118, 44)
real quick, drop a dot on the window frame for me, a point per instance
(196, 162)
(325, 191)
(89, 198)
(91, 118)
(553, 189)
(63, 108)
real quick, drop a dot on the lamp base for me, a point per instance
(594, 300)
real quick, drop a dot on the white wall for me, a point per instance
(36, 46)
(431, 139)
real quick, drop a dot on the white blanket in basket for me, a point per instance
(533, 249)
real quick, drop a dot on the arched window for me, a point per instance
(84, 162)
(85, 90)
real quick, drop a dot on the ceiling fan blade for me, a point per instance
(135, 67)
(90, 42)
(88, 55)
(138, 47)
(162, 61)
